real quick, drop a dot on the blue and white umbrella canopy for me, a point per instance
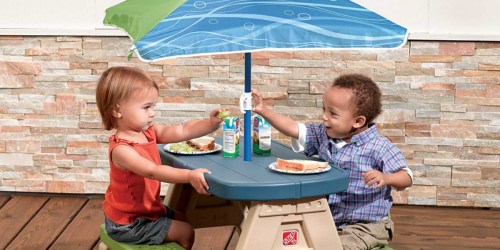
(171, 28)
(208, 27)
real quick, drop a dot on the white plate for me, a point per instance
(272, 166)
(217, 148)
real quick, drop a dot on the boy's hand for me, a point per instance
(259, 105)
(197, 180)
(374, 177)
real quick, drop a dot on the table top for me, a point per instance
(236, 179)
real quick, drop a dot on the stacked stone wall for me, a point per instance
(441, 104)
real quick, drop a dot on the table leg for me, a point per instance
(301, 224)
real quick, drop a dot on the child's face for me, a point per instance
(137, 112)
(338, 117)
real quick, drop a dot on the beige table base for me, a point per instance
(265, 225)
(299, 224)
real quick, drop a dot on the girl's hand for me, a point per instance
(214, 116)
(197, 180)
(223, 113)
(374, 177)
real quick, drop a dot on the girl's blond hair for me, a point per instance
(117, 84)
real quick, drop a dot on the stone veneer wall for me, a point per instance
(441, 107)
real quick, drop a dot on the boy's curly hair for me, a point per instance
(366, 97)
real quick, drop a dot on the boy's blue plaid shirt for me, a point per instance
(366, 150)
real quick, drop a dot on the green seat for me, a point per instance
(386, 248)
(115, 245)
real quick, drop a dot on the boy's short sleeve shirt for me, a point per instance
(366, 151)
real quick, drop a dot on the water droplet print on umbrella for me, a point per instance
(162, 29)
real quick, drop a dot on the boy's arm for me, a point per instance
(399, 180)
(395, 170)
(188, 130)
(284, 124)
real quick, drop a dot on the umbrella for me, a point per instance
(170, 28)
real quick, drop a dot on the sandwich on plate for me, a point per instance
(300, 165)
(204, 143)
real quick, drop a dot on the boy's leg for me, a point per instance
(367, 235)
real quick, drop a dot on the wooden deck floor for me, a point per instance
(45, 221)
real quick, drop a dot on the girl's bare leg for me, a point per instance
(182, 233)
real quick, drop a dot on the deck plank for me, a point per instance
(420, 247)
(475, 213)
(96, 246)
(72, 221)
(441, 216)
(3, 200)
(438, 230)
(212, 237)
(446, 242)
(15, 214)
(48, 223)
(231, 245)
(418, 227)
(82, 232)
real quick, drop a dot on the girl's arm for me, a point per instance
(188, 130)
(125, 157)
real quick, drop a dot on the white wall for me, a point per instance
(55, 17)
(425, 19)
(442, 19)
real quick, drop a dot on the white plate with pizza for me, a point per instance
(299, 166)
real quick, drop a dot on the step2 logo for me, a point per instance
(290, 237)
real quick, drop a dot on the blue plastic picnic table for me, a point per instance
(282, 210)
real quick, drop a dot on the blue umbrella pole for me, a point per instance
(247, 156)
